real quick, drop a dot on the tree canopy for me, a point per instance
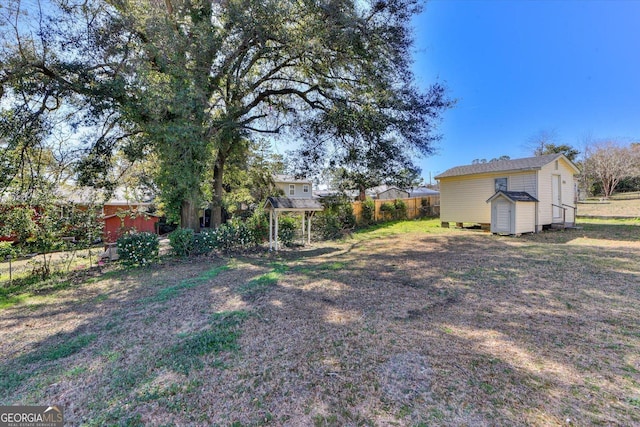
(189, 80)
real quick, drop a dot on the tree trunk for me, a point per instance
(189, 214)
(362, 196)
(216, 208)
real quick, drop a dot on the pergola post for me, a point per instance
(270, 229)
(303, 227)
(276, 231)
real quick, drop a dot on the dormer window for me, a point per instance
(292, 189)
(305, 188)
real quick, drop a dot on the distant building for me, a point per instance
(293, 187)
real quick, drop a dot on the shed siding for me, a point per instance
(523, 182)
(464, 199)
(525, 217)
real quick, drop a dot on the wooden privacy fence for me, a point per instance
(416, 207)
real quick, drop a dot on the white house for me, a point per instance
(492, 194)
(294, 188)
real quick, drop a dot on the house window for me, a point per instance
(292, 189)
(305, 188)
(556, 165)
(501, 184)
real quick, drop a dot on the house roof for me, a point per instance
(422, 191)
(528, 163)
(290, 179)
(383, 188)
(514, 196)
(90, 195)
(288, 204)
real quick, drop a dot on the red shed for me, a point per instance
(121, 216)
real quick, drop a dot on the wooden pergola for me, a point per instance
(275, 205)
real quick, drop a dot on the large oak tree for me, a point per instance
(189, 80)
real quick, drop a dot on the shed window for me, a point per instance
(556, 165)
(501, 184)
(292, 189)
(305, 188)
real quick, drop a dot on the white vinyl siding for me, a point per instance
(524, 182)
(525, 217)
(295, 190)
(465, 199)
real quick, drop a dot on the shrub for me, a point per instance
(181, 241)
(368, 211)
(327, 226)
(400, 209)
(234, 235)
(138, 248)
(286, 230)
(204, 242)
(7, 251)
(388, 210)
(258, 224)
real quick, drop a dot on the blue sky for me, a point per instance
(521, 67)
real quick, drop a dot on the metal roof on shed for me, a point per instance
(528, 163)
(514, 196)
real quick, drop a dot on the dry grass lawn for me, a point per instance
(406, 325)
(611, 208)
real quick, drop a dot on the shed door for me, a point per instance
(501, 216)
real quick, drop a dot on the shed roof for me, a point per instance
(288, 204)
(528, 163)
(514, 196)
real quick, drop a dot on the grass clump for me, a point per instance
(262, 283)
(222, 335)
(14, 374)
(171, 292)
(61, 350)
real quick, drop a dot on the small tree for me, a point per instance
(607, 163)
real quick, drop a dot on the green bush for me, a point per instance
(138, 248)
(258, 223)
(181, 241)
(400, 209)
(388, 210)
(327, 226)
(7, 250)
(286, 230)
(234, 235)
(368, 211)
(204, 242)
